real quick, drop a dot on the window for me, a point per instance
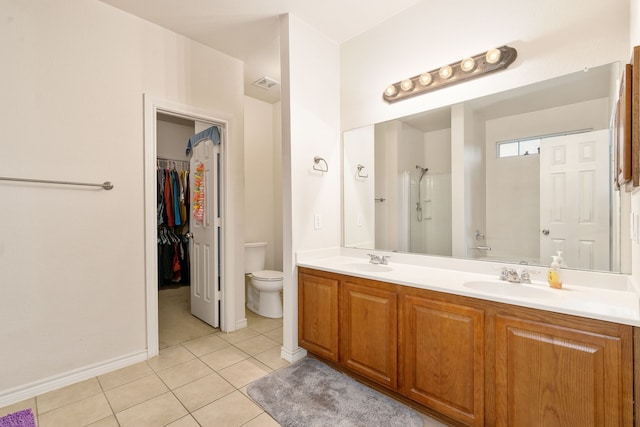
(519, 148)
(530, 145)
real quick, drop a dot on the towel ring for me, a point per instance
(316, 161)
(359, 173)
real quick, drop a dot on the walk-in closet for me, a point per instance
(176, 324)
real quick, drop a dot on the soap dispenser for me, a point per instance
(561, 262)
(554, 278)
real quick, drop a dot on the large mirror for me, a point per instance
(511, 177)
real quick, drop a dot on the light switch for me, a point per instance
(317, 221)
(359, 220)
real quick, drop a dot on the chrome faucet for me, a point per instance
(511, 275)
(375, 259)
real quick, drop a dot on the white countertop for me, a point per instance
(604, 296)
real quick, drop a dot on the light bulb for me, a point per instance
(445, 72)
(425, 79)
(406, 85)
(493, 56)
(467, 64)
(390, 90)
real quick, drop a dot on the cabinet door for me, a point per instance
(369, 337)
(443, 361)
(318, 315)
(549, 375)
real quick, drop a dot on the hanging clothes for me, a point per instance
(173, 244)
(175, 193)
(183, 207)
(168, 201)
(187, 200)
(173, 258)
(160, 196)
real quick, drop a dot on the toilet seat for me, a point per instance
(268, 275)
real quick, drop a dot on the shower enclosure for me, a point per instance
(429, 212)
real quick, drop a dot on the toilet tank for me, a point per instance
(254, 256)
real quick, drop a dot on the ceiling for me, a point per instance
(249, 29)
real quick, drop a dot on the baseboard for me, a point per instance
(27, 391)
(242, 323)
(293, 356)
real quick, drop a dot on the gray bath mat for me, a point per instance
(309, 393)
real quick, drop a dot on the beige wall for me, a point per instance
(263, 189)
(172, 135)
(278, 225)
(72, 293)
(310, 127)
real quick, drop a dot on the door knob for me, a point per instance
(545, 231)
(189, 235)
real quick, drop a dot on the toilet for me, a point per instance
(264, 286)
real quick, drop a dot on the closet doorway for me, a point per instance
(183, 269)
(188, 229)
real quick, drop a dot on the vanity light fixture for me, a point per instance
(445, 72)
(468, 64)
(406, 85)
(493, 56)
(469, 68)
(425, 79)
(391, 91)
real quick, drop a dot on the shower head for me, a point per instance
(422, 171)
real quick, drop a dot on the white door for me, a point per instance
(574, 199)
(205, 225)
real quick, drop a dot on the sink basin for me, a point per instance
(509, 289)
(367, 267)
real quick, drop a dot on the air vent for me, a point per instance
(265, 83)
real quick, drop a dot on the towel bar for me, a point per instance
(105, 185)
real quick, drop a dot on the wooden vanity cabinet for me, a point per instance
(559, 372)
(443, 356)
(369, 331)
(350, 321)
(318, 313)
(475, 362)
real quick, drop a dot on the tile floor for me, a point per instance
(200, 381)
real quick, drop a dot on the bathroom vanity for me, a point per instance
(474, 355)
